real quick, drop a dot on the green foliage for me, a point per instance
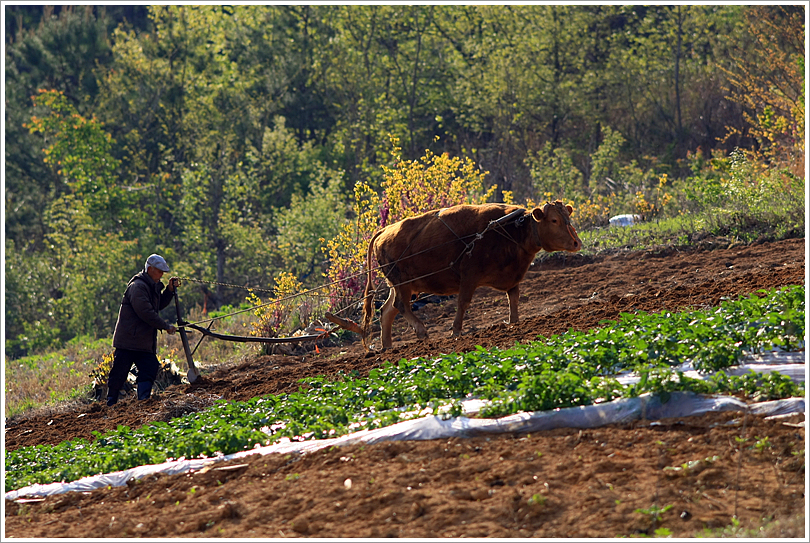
(307, 223)
(59, 53)
(730, 197)
(605, 161)
(72, 288)
(386, 70)
(769, 82)
(80, 152)
(566, 370)
(284, 167)
(654, 512)
(56, 292)
(34, 380)
(738, 194)
(554, 174)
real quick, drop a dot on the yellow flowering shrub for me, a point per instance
(347, 250)
(653, 202)
(595, 211)
(274, 315)
(409, 187)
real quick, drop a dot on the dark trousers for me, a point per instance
(147, 364)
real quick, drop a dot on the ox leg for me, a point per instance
(388, 313)
(465, 295)
(403, 304)
(513, 294)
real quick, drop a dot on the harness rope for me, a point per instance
(517, 216)
(468, 248)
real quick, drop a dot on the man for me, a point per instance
(135, 337)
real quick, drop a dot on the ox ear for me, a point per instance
(569, 209)
(537, 214)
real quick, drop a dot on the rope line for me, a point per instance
(191, 279)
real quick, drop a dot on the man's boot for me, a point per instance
(144, 390)
(112, 397)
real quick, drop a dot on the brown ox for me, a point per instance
(442, 252)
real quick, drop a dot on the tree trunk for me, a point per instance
(220, 267)
(679, 125)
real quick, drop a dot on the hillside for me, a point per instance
(589, 483)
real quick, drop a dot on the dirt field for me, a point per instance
(604, 482)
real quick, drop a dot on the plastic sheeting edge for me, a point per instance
(646, 406)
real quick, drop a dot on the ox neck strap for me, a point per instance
(517, 217)
(517, 214)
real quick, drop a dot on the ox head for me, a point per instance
(553, 228)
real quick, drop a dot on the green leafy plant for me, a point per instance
(762, 444)
(537, 499)
(654, 512)
(571, 369)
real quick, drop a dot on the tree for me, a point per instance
(70, 288)
(658, 52)
(387, 72)
(513, 95)
(310, 219)
(767, 79)
(57, 53)
(79, 154)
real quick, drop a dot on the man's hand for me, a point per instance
(171, 329)
(174, 282)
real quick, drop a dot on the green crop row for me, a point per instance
(575, 368)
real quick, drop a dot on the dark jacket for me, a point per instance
(138, 318)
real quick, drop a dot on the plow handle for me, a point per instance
(192, 373)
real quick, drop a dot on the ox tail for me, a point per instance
(368, 293)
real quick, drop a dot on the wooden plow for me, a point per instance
(193, 373)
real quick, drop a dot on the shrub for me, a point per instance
(554, 174)
(409, 187)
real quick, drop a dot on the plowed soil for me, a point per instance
(603, 482)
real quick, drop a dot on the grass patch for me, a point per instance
(689, 230)
(37, 380)
(49, 379)
(735, 200)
